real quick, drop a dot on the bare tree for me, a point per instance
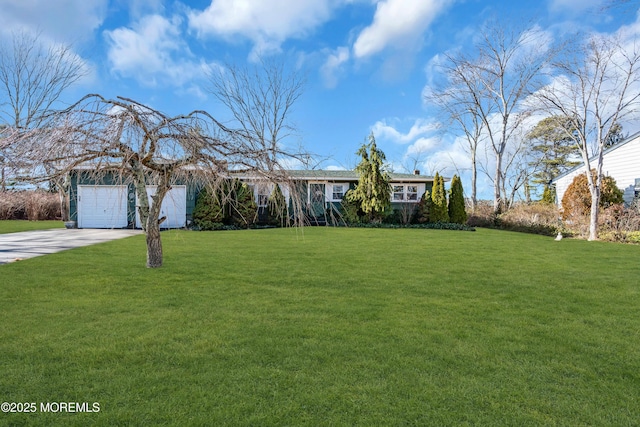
(488, 90)
(515, 172)
(597, 89)
(460, 111)
(260, 98)
(134, 143)
(519, 168)
(33, 76)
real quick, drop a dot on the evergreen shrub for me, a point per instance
(242, 208)
(438, 211)
(208, 213)
(424, 207)
(457, 212)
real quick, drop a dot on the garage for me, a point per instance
(102, 206)
(174, 207)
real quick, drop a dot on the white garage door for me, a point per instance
(174, 207)
(102, 206)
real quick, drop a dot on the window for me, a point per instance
(398, 193)
(338, 191)
(412, 192)
(405, 193)
(260, 194)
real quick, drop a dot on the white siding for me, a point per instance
(621, 163)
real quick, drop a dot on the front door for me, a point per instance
(317, 200)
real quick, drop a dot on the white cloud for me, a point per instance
(384, 130)
(422, 145)
(61, 20)
(451, 158)
(333, 66)
(265, 22)
(396, 23)
(629, 33)
(153, 52)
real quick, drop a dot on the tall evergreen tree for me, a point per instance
(553, 149)
(457, 212)
(439, 212)
(373, 192)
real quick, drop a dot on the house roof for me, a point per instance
(350, 175)
(627, 140)
(324, 175)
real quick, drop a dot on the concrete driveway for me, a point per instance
(29, 244)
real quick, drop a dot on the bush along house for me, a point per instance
(110, 202)
(621, 161)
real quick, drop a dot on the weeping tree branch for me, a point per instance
(139, 145)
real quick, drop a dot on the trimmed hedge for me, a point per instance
(427, 226)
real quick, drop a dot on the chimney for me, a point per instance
(416, 172)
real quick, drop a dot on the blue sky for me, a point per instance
(368, 61)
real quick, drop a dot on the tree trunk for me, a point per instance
(497, 199)
(64, 204)
(595, 187)
(141, 192)
(474, 185)
(62, 185)
(152, 230)
(593, 220)
(154, 245)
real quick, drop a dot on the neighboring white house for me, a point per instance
(621, 162)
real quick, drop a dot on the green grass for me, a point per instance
(327, 327)
(14, 226)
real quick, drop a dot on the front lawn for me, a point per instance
(14, 226)
(326, 326)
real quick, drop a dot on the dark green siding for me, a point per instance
(86, 178)
(193, 190)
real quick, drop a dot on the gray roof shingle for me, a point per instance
(349, 175)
